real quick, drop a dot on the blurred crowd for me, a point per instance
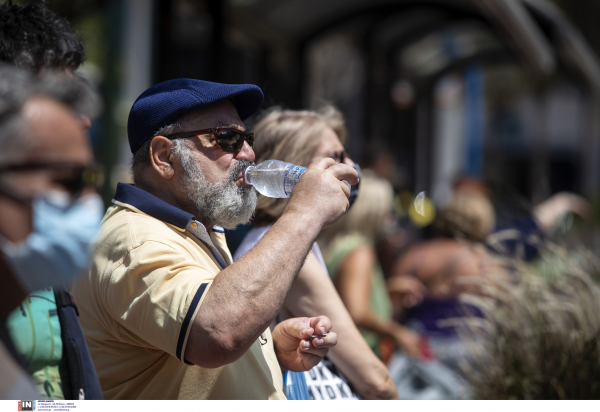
(193, 286)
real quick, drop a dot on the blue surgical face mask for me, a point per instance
(58, 248)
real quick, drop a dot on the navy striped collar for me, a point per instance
(152, 205)
(129, 195)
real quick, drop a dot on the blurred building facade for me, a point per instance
(505, 90)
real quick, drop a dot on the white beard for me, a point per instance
(223, 203)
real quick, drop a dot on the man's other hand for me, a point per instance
(295, 349)
(321, 195)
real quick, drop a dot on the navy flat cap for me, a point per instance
(164, 103)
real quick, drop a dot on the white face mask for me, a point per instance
(58, 248)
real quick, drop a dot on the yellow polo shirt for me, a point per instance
(152, 267)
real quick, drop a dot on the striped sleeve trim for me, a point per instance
(188, 319)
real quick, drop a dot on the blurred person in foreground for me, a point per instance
(303, 137)
(45, 327)
(167, 315)
(36, 39)
(48, 218)
(349, 251)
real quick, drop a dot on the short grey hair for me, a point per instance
(17, 87)
(141, 158)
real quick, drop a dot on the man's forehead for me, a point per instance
(55, 131)
(220, 114)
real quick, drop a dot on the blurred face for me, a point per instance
(86, 122)
(57, 139)
(330, 146)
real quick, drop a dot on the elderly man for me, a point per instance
(49, 44)
(38, 40)
(48, 218)
(165, 311)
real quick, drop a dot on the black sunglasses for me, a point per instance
(73, 177)
(229, 139)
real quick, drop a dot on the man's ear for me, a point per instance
(161, 150)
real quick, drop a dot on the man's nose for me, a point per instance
(246, 152)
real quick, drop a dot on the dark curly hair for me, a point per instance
(33, 37)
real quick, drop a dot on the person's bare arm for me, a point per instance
(548, 213)
(313, 294)
(353, 282)
(246, 296)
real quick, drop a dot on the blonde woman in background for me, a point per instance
(349, 250)
(302, 137)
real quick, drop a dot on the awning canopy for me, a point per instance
(536, 32)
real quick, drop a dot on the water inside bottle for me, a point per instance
(267, 182)
(274, 178)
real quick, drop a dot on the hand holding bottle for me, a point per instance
(321, 195)
(275, 178)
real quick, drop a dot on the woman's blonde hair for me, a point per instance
(468, 216)
(368, 214)
(291, 136)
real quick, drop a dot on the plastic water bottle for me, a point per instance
(274, 178)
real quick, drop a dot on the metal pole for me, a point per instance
(423, 139)
(111, 91)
